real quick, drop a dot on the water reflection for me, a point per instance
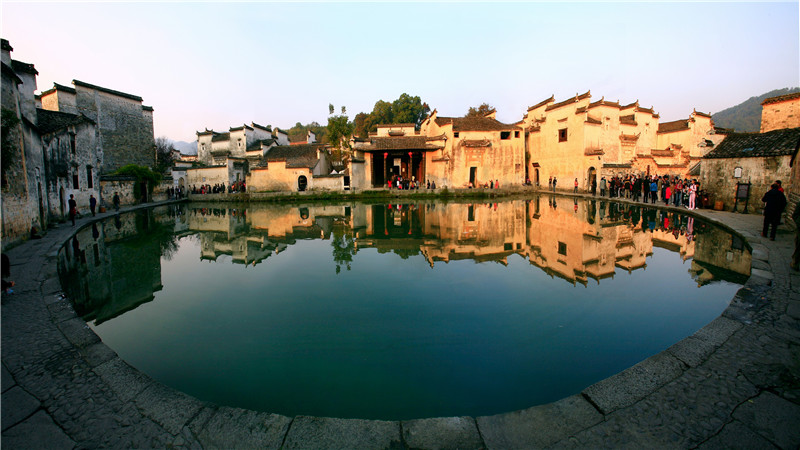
(115, 265)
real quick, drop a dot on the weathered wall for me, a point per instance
(125, 187)
(206, 175)
(277, 177)
(125, 129)
(785, 114)
(716, 177)
(328, 183)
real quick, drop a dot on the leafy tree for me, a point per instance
(408, 109)
(360, 125)
(330, 108)
(480, 111)
(340, 129)
(164, 149)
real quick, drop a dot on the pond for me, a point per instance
(397, 311)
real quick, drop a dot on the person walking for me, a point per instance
(92, 203)
(73, 208)
(775, 203)
(576, 186)
(555, 181)
(116, 201)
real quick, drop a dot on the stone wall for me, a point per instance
(278, 177)
(327, 183)
(207, 175)
(125, 129)
(776, 116)
(716, 178)
(124, 186)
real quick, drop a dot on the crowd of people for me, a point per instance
(219, 188)
(649, 189)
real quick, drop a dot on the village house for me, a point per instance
(65, 142)
(456, 152)
(584, 140)
(295, 168)
(756, 160)
(23, 202)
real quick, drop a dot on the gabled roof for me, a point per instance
(402, 143)
(627, 120)
(59, 87)
(50, 121)
(21, 67)
(295, 155)
(217, 137)
(475, 124)
(677, 125)
(543, 102)
(256, 145)
(780, 98)
(569, 101)
(749, 145)
(107, 91)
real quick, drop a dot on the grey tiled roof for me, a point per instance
(50, 121)
(475, 124)
(303, 155)
(750, 145)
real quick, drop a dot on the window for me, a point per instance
(75, 183)
(72, 145)
(455, 134)
(505, 135)
(516, 134)
(562, 135)
(471, 213)
(508, 246)
(562, 248)
(89, 182)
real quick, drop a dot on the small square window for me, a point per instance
(516, 134)
(505, 135)
(455, 134)
(562, 248)
(562, 135)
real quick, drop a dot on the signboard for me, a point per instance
(742, 191)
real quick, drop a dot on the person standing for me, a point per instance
(576, 186)
(555, 181)
(603, 184)
(692, 194)
(116, 201)
(550, 184)
(775, 203)
(594, 186)
(73, 208)
(92, 203)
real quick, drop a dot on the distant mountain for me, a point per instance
(187, 148)
(746, 116)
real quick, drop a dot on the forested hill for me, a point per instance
(746, 116)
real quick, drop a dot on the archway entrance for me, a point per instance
(536, 180)
(592, 179)
(302, 183)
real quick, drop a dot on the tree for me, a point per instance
(339, 129)
(408, 109)
(360, 125)
(480, 111)
(164, 149)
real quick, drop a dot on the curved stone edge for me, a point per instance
(191, 422)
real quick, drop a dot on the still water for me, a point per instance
(397, 311)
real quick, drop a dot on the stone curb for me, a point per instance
(167, 417)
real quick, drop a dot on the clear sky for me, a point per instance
(218, 65)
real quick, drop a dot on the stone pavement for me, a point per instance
(734, 383)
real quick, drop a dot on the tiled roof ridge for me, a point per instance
(543, 102)
(106, 90)
(20, 66)
(780, 98)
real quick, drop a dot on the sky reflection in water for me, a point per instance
(397, 311)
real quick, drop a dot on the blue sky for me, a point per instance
(218, 65)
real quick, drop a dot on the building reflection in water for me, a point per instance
(114, 266)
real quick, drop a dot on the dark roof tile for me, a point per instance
(781, 98)
(21, 67)
(303, 155)
(50, 121)
(677, 125)
(107, 91)
(543, 102)
(746, 145)
(475, 124)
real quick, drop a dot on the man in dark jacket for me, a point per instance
(775, 203)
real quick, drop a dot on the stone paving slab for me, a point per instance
(763, 412)
(328, 433)
(634, 383)
(17, 405)
(734, 383)
(540, 426)
(442, 433)
(38, 432)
